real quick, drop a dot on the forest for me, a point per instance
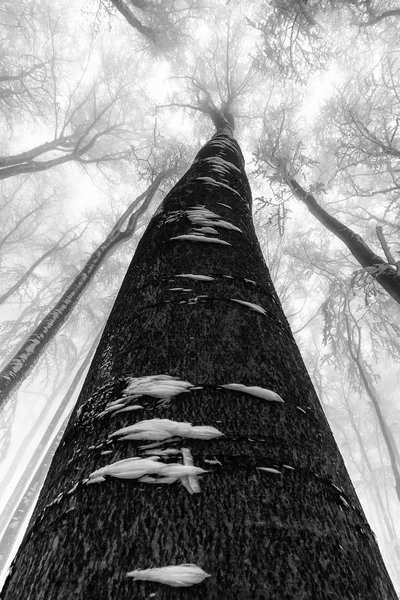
(106, 108)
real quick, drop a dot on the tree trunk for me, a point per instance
(23, 361)
(355, 354)
(56, 248)
(374, 19)
(384, 273)
(277, 516)
(387, 524)
(134, 22)
(18, 225)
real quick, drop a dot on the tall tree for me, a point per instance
(12, 375)
(276, 515)
(282, 159)
(382, 270)
(349, 340)
(48, 253)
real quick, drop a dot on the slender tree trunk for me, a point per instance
(356, 357)
(277, 516)
(6, 421)
(395, 12)
(18, 224)
(385, 274)
(382, 509)
(57, 247)
(32, 313)
(30, 351)
(133, 21)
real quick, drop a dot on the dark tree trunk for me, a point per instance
(14, 516)
(295, 531)
(386, 277)
(124, 9)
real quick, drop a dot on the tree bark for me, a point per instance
(14, 516)
(133, 21)
(294, 531)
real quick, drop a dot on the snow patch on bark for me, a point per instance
(146, 470)
(221, 162)
(199, 238)
(200, 215)
(160, 429)
(254, 390)
(250, 305)
(190, 482)
(183, 575)
(158, 386)
(269, 470)
(211, 181)
(196, 277)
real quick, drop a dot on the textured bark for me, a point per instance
(296, 534)
(13, 517)
(387, 278)
(23, 361)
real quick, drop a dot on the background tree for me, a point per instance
(159, 23)
(283, 158)
(29, 353)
